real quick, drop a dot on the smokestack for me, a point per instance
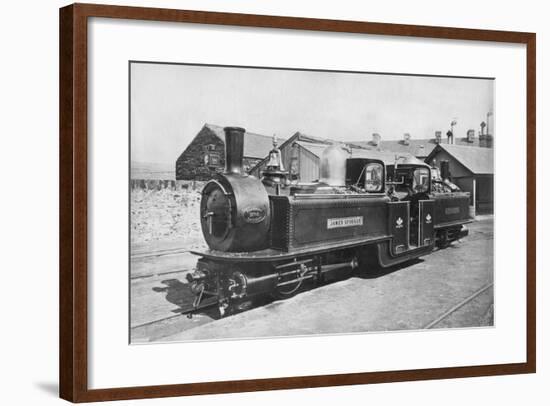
(438, 137)
(234, 148)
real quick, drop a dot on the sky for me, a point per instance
(170, 103)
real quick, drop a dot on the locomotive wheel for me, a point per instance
(286, 292)
(444, 241)
(290, 289)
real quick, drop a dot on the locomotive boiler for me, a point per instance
(271, 236)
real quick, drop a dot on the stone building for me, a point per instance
(205, 154)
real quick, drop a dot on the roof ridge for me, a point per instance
(216, 126)
(466, 146)
(477, 160)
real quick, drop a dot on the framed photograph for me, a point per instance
(253, 202)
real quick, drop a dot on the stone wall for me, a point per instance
(204, 157)
(160, 184)
(166, 215)
(192, 164)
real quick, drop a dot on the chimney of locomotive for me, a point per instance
(234, 149)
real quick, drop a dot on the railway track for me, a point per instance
(457, 306)
(146, 264)
(168, 272)
(428, 326)
(158, 253)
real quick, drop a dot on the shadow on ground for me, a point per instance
(179, 293)
(376, 271)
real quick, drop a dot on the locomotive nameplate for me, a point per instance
(344, 222)
(452, 210)
(254, 215)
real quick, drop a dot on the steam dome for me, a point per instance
(333, 166)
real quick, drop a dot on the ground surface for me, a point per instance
(405, 297)
(165, 217)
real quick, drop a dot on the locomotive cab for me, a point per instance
(409, 181)
(409, 187)
(365, 175)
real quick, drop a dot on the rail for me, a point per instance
(158, 253)
(458, 306)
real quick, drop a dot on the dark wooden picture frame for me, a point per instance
(73, 200)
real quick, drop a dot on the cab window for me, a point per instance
(373, 177)
(421, 180)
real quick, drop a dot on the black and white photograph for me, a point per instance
(273, 202)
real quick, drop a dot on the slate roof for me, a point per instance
(420, 148)
(317, 145)
(479, 161)
(315, 148)
(300, 136)
(387, 157)
(255, 145)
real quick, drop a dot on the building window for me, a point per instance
(211, 159)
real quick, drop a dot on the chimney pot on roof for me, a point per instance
(376, 139)
(482, 126)
(450, 137)
(438, 137)
(470, 135)
(406, 138)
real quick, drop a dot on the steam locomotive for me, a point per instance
(273, 236)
